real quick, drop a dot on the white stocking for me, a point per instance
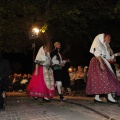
(97, 97)
(59, 85)
(3, 94)
(46, 98)
(111, 98)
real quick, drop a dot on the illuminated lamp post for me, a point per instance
(34, 35)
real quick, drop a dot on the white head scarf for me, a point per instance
(97, 43)
(40, 55)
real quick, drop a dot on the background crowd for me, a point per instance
(74, 85)
(18, 82)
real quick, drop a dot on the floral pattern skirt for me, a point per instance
(99, 81)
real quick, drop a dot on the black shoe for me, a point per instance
(46, 100)
(5, 103)
(96, 101)
(108, 101)
(2, 108)
(61, 97)
(35, 98)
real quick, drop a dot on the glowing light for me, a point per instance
(35, 30)
(69, 69)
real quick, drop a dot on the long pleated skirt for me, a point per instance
(42, 85)
(99, 81)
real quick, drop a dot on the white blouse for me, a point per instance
(41, 58)
(103, 51)
(57, 62)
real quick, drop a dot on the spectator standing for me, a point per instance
(5, 71)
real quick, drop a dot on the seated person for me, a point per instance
(29, 76)
(72, 73)
(16, 82)
(80, 80)
(24, 82)
(117, 67)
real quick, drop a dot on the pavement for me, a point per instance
(22, 107)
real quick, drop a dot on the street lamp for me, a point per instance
(34, 35)
(35, 31)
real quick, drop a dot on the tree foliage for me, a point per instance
(72, 22)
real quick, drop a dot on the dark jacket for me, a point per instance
(5, 71)
(53, 53)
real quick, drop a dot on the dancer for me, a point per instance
(42, 82)
(101, 77)
(58, 63)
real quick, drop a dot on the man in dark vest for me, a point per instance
(58, 63)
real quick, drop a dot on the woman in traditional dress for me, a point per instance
(101, 77)
(42, 81)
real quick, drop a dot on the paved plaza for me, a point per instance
(22, 107)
